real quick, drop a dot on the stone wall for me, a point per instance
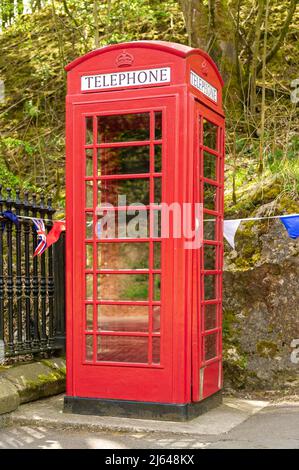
(261, 307)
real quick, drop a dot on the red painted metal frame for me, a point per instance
(183, 374)
(207, 373)
(89, 376)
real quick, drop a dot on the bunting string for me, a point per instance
(267, 217)
(290, 222)
(44, 239)
(256, 218)
(20, 217)
(230, 227)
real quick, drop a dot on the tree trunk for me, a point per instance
(96, 23)
(254, 60)
(210, 26)
(282, 35)
(262, 134)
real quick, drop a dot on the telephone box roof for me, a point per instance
(171, 47)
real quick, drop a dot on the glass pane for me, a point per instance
(156, 318)
(157, 255)
(156, 224)
(210, 346)
(88, 130)
(138, 224)
(158, 125)
(209, 166)
(210, 197)
(89, 347)
(124, 192)
(123, 128)
(123, 256)
(88, 162)
(123, 160)
(210, 287)
(89, 225)
(123, 287)
(122, 349)
(89, 317)
(89, 286)
(89, 256)
(210, 134)
(123, 318)
(89, 195)
(157, 190)
(120, 224)
(210, 316)
(158, 158)
(156, 350)
(157, 287)
(209, 227)
(209, 257)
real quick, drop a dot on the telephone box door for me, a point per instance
(208, 189)
(123, 326)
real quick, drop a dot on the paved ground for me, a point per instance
(236, 424)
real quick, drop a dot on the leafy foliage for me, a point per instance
(35, 48)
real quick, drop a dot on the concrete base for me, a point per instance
(140, 410)
(222, 419)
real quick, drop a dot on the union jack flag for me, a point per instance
(41, 237)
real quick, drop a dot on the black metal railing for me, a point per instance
(32, 297)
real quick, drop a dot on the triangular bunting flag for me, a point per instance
(291, 223)
(41, 236)
(8, 215)
(55, 232)
(229, 230)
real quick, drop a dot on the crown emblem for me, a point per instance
(204, 68)
(123, 59)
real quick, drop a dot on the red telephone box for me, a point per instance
(145, 126)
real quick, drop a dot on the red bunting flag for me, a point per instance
(55, 232)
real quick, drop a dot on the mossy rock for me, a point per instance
(267, 349)
(252, 196)
(37, 380)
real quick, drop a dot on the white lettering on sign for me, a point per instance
(203, 86)
(125, 79)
